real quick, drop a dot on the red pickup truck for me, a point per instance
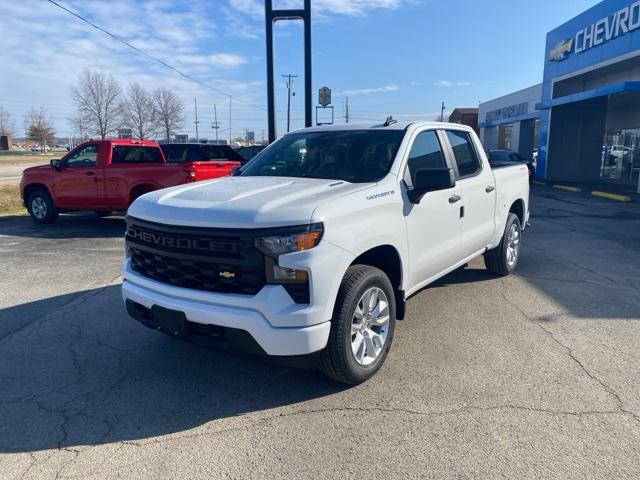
(107, 175)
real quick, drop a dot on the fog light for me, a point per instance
(289, 274)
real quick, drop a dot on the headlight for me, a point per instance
(308, 237)
(295, 239)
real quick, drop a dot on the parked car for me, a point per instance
(39, 148)
(313, 248)
(204, 160)
(502, 158)
(103, 176)
(251, 151)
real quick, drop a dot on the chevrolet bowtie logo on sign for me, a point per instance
(561, 50)
(227, 274)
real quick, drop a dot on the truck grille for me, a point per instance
(210, 259)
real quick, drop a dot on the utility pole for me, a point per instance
(263, 136)
(215, 125)
(442, 113)
(346, 111)
(289, 83)
(195, 102)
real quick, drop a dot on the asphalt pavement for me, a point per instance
(536, 375)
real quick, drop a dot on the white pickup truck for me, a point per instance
(313, 247)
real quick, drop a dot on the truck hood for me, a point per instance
(37, 168)
(240, 202)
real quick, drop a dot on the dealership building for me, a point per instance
(582, 123)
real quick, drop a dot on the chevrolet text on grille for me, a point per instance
(164, 240)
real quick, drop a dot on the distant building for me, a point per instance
(125, 133)
(5, 142)
(465, 116)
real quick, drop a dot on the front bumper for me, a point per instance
(278, 325)
(280, 341)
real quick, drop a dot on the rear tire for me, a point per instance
(362, 326)
(41, 207)
(503, 259)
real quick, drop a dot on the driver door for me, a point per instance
(434, 227)
(77, 182)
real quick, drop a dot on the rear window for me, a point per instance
(125, 154)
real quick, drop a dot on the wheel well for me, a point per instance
(32, 187)
(139, 190)
(518, 208)
(387, 259)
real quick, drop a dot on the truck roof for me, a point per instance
(124, 141)
(380, 126)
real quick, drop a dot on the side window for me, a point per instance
(175, 153)
(425, 153)
(213, 152)
(463, 151)
(85, 157)
(195, 154)
(124, 154)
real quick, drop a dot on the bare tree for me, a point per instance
(39, 127)
(169, 111)
(7, 125)
(138, 112)
(97, 97)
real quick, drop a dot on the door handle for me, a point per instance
(90, 174)
(489, 188)
(454, 198)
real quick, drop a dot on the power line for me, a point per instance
(151, 57)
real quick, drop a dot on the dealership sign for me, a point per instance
(608, 28)
(511, 111)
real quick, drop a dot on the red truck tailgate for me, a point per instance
(212, 169)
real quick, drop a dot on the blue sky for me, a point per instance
(387, 56)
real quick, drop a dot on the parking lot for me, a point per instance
(530, 376)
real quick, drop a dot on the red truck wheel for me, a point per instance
(41, 207)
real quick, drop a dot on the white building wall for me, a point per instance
(530, 95)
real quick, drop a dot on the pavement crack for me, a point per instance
(572, 356)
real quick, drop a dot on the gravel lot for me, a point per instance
(531, 376)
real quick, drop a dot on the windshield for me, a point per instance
(355, 156)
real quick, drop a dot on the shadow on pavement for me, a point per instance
(84, 373)
(80, 225)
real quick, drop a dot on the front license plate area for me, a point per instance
(171, 322)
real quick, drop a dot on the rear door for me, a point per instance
(477, 187)
(77, 183)
(434, 229)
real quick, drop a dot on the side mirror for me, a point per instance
(430, 180)
(56, 163)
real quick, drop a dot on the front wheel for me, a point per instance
(362, 326)
(503, 259)
(41, 207)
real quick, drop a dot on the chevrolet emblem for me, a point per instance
(227, 274)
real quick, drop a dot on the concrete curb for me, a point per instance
(611, 196)
(567, 188)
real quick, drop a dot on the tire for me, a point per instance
(338, 360)
(503, 259)
(41, 207)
